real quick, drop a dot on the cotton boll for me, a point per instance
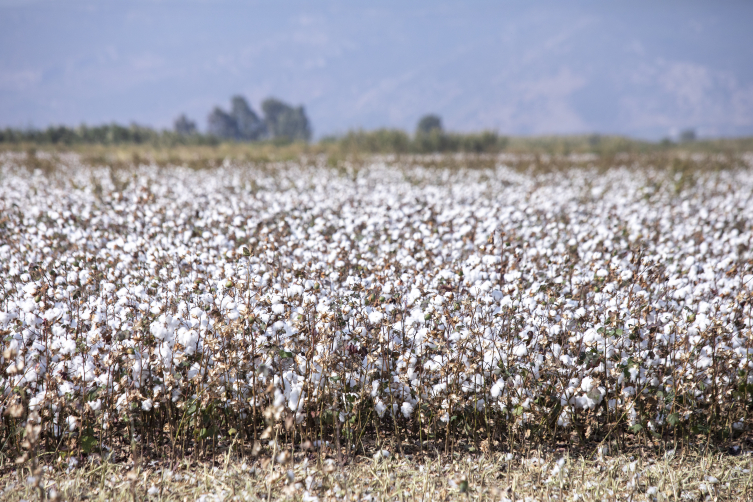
(414, 295)
(406, 409)
(279, 399)
(564, 418)
(587, 384)
(295, 399)
(380, 407)
(146, 404)
(189, 339)
(64, 346)
(497, 388)
(376, 317)
(193, 371)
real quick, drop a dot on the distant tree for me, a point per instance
(222, 124)
(284, 121)
(687, 136)
(428, 124)
(183, 125)
(249, 126)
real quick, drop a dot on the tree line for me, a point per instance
(278, 122)
(429, 137)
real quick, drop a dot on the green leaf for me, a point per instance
(673, 419)
(636, 428)
(88, 443)
(463, 486)
(285, 354)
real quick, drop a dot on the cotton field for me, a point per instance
(298, 303)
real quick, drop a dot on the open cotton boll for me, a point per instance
(587, 384)
(189, 338)
(374, 388)
(30, 289)
(376, 317)
(407, 409)
(414, 295)
(380, 407)
(497, 388)
(64, 346)
(296, 399)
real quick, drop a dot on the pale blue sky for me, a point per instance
(646, 69)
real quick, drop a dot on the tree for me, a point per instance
(284, 121)
(183, 125)
(428, 124)
(222, 124)
(249, 126)
(281, 121)
(687, 136)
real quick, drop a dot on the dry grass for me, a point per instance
(548, 151)
(530, 475)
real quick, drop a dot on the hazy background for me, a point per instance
(646, 69)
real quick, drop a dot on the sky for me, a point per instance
(639, 68)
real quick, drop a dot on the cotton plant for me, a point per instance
(423, 302)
